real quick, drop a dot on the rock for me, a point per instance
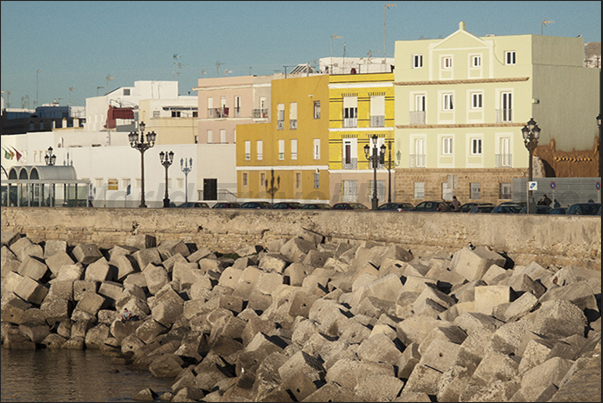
(31, 291)
(145, 256)
(156, 277)
(90, 302)
(145, 395)
(141, 241)
(86, 253)
(166, 366)
(168, 249)
(473, 264)
(32, 267)
(100, 271)
(57, 261)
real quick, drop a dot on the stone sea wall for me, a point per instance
(544, 239)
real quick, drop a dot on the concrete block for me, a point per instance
(493, 272)
(61, 290)
(535, 271)
(145, 256)
(149, 330)
(186, 274)
(86, 253)
(354, 332)
(304, 363)
(54, 341)
(272, 263)
(472, 264)
(268, 282)
(31, 249)
(466, 292)
(56, 310)
(540, 377)
(449, 333)
(210, 264)
(9, 238)
(10, 282)
(417, 284)
(70, 272)
(120, 250)
(31, 291)
(32, 267)
(8, 261)
(199, 254)
(423, 379)
(535, 353)
(34, 332)
(156, 277)
(166, 366)
(169, 263)
(409, 358)
(166, 312)
(387, 288)
(136, 279)
(100, 271)
(311, 236)
(452, 382)
(489, 296)
(58, 260)
(126, 265)
(579, 293)
(405, 304)
(170, 248)
(507, 338)
(315, 258)
(334, 392)
(416, 328)
(379, 388)
(349, 373)
(496, 365)
(379, 348)
(521, 307)
(90, 302)
(82, 286)
(294, 248)
(53, 246)
(230, 277)
(141, 241)
(111, 290)
(558, 318)
(523, 283)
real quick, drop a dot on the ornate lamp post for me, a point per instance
(186, 166)
(273, 189)
(142, 146)
(50, 158)
(166, 160)
(375, 159)
(531, 134)
(390, 166)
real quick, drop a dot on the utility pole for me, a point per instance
(70, 89)
(385, 7)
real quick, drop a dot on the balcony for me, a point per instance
(504, 115)
(503, 160)
(293, 124)
(417, 117)
(280, 125)
(217, 112)
(237, 112)
(260, 113)
(377, 121)
(417, 160)
(350, 122)
(350, 163)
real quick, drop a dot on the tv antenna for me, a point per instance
(543, 24)
(107, 83)
(70, 89)
(174, 58)
(218, 64)
(226, 71)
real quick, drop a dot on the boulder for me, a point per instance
(31, 291)
(86, 253)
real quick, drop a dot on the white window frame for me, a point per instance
(281, 150)
(476, 146)
(510, 57)
(417, 61)
(316, 149)
(419, 190)
(316, 109)
(475, 190)
(259, 149)
(447, 143)
(294, 149)
(447, 62)
(448, 102)
(247, 150)
(477, 100)
(476, 61)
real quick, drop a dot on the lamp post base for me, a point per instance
(166, 202)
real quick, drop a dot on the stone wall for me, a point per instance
(559, 240)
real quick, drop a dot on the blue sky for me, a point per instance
(77, 44)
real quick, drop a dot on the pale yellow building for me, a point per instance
(462, 101)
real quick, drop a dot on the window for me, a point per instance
(98, 183)
(196, 139)
(420, 103)
(510, 57)
(293, 149)
(475, 190)
(260, 150)
(125, 183)
(237, 106)
(476, 100)
(417, 61)
(350, 191)
(506, 113)
(280, 123)
(350, 111)
(281, 149)
(316, 109)
(293, 115)
(262, 180)
(156, 114)
(316, 180)
(476, 61)
(247, 150)
(418, 115)
(380, 189)
(419, 157)
(126, 91)
(245, 183)
(447, 62)
(505, 191)
(210, 107)
(210, 136)
(316, 149)
(447, 102)
(180, 183)
(176, 114)
(350, 153)
(447, 145)
(297, 180)
(419, 190)
(378, 111)
(476, 146)
(222, 136)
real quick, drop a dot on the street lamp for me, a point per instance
(186, 167)
(166, 160)
(50, 158)
(390, 165)
(600, 166)
(531, 134)
(375, 159)
(273, 189)
(141, 146)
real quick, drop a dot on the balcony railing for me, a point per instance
(217, 112)
(293, 124)
(247, 157)
(417, 117)
(260, 113)
(417, 160)
(350, 122)
(377, 121)
(352, 163)
(503, 160)
(237, 112)
(504, 115)
(280, 125)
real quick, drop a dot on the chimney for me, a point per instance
(64, 124)
(76, 122)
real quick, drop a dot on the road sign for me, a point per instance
(553, 185)
(112, 184)
(532, 185)
(598, 185)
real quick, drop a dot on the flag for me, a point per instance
(18, 154)
(7, 154)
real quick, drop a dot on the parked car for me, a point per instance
(482, 208)
(540, 209)
(194, 205)
(508, 208)
(287, 205)
(466, 208)
(349, 206)
(427, 206)
(584, 209)
(396, 207)
(559, 210)
(256, 205)
(226, 205)
(316, 206)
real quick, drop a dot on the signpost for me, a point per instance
(553, 186)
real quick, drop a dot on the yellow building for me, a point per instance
(287, 158)
(360, 106)
(462, 101)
